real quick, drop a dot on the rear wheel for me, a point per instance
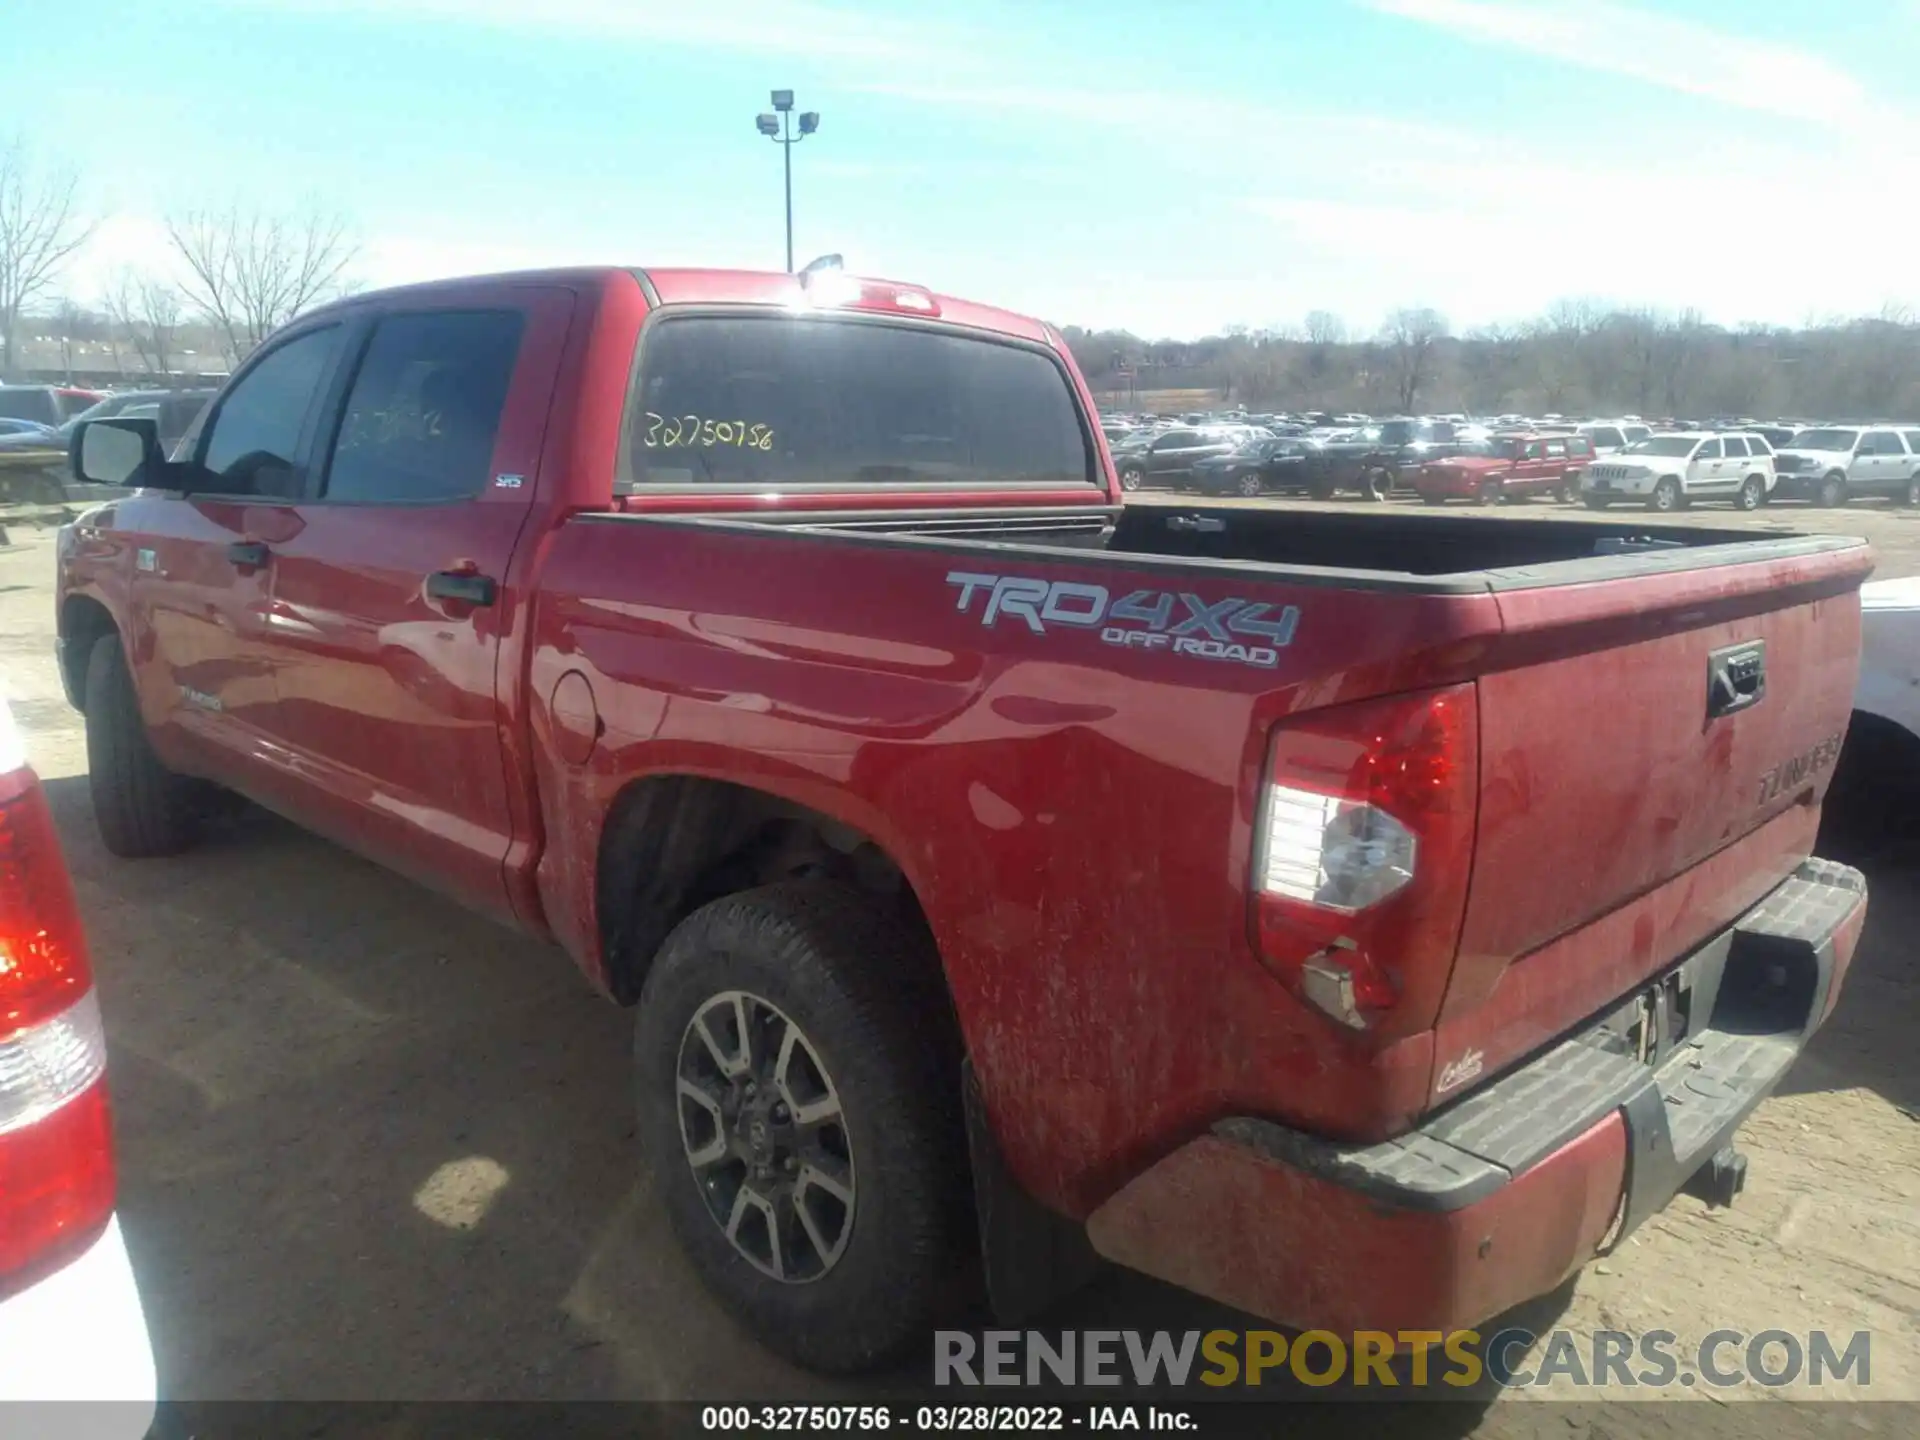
(1378, 483)
(1598, 502)
(141, 807)
(803, 1132)
(1753, 493)
(1833, 491)
(1666, 496)
(1321, 488)
(1913, 490)
(1570, 489)
(1433, 497)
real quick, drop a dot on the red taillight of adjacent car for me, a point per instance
(56, 1151)
(1362, 851)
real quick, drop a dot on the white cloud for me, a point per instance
(1660, 50)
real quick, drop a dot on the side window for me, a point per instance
(1913, 440)
(420, 419)
(1580, 447)
(1709, 450)
(1535, 451)
(1556, 449)
(1736, 446)
(1441, 430)
(250, 448)
(1885, 442)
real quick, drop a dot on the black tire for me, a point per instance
(867, 998)
(1570, 490)
(1132, 478)
(142, 808)
(1666, 496)
(1377, 483)
(1491, 492)
(1321, 489)
(1833, 491)
(1433, 497)
(1599, 502)
(1249, 484)
(1913, 491)
(1753, 493)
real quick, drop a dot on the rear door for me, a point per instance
(200, 582)
(1885, 462)
(389, 598)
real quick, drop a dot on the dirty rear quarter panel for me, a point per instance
(1074, 817)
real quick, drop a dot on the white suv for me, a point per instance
(1830, 464)
(1670, 472)
(1612, 436)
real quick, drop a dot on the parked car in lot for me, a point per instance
(1611, 436)
(1372, 460)
(1507, 467)
(28, 435)
(71, 1326)
(1832, 464)
(1166, 461)
(1876, 784)
(46, 404)
(1262, 465)
(1670, 472)
(765, 644)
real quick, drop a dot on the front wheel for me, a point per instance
(1378, 483)
(1833, 491)
(1753, 493)
(142, 808)
(1132, 478)
(1666, 496)
(1249, 484)
(1490, 493)
(803, 1132)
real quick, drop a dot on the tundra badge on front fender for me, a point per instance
(1250, 632)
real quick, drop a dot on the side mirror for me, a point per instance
(117, 452)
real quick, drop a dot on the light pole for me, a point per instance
(778, 127)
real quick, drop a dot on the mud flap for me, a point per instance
(1033, 1258)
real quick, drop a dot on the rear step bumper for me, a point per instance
(1499, 1197)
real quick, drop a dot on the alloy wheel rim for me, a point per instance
(765, 1135)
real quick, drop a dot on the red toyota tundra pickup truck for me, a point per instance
(1363, 920)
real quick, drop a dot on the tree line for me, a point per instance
(227, 277)
(1582, 357)
(230, 275)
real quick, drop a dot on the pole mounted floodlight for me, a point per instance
(778, 127)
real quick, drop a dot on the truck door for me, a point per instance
(200, 578)
(391, 598)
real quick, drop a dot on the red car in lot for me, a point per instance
(1508, 467)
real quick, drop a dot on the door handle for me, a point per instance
(249, 554)
(459, 585)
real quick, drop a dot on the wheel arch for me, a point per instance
(675, 841)
(83, 621)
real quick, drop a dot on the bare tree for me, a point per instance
(40, 227)
(145, 310)
(1325, 328)
(1408, 339)
(251, 272)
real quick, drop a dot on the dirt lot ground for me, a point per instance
(375, 1148)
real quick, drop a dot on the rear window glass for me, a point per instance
(777, 400)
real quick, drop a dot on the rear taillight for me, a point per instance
(56, 1152)
(1363, 846)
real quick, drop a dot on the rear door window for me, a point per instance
(1736, 445)
(840, 403)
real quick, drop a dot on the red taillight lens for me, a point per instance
(1363, 846)
(56, 1153)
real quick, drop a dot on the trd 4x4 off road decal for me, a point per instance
(1249, 632)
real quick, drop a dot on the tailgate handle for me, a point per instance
(1736, 678)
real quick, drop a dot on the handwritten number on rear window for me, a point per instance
(665, 432)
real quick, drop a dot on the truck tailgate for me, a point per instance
(1630, 730)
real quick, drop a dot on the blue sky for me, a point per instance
(1170, 167)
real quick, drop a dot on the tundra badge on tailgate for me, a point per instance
(1250, 632)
